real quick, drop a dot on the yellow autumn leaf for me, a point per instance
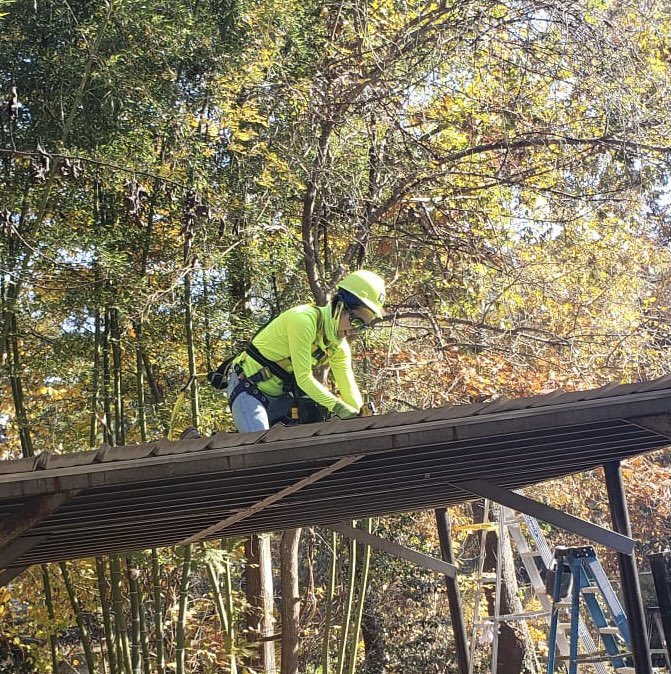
(245, 134)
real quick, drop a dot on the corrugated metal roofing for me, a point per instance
(161, 493)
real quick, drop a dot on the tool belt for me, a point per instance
(306, 411)
(303, 411)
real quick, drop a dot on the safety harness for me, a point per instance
(304, 406)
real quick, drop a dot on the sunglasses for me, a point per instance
(357, 322)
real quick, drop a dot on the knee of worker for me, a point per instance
(249, 414)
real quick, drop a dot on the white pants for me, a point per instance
(250, 414)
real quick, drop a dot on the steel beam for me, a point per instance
(659, 423)
(261, 505)
(631, 590)
(13, 543)
(13, 551)
(419, 558)
(8, 575)
(16, 524)
(454, 598)
(662, 582)
(619, 542)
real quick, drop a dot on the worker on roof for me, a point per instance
(267, 379)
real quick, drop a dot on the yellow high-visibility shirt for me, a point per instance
(290, 337)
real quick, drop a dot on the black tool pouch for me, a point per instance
(309, 411)
(219, 378)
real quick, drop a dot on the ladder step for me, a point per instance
(625, 670)
(487, 578)
(589, 589)
(470, 528)
(531, 553)
(597, 656)
(609, 630)
(512, 617)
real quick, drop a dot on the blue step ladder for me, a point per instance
(579, 567)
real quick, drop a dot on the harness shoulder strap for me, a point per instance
(275, 367)
(278, 368)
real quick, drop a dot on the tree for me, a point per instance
(504, 166)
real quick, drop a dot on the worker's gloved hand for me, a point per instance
(344, 411)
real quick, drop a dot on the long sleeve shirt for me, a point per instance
(289, 340)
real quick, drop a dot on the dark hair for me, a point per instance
(349, 300)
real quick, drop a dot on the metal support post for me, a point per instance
(660, 576)
(631, 590)
(453, 596)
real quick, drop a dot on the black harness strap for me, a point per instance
(248, 385)
(278, 371)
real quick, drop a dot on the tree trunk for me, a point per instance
(372, 632)
(259, 590)
(291, 600)
(514, 638)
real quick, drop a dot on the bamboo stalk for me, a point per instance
(144, 640)
(115, 340)
(156, 393)
(206, 323)
(107, 616)
(230, 641)
(158, 612)
(97, 338)
(188, 319)
(14, 362)
(363, 585)
(216, 593)
(131, 574)
(110, 437)
(347, 615)
(224, 605)
(95, 375)
(48, 600)
(77, 610)
(119, 617)
(291, 600)
(330, 592)
(180, 651)
(139, 383)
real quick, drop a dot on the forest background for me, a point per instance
(176, 172)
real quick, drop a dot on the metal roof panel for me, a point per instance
(159, 493)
